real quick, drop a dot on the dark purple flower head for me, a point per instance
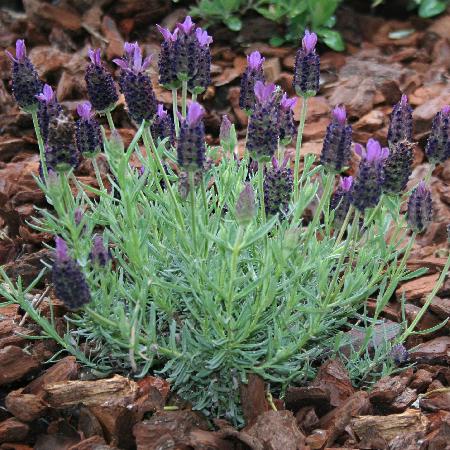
(438, 144)
(100, 85)
(340, 201)
(187, 26)
(246, 206)
(263, 127)
(399, 354)
(48, 108)
(99, 254)
(401, 126)
(309, 42)
(163, 126)
(366, 188)
(336, 150)
(69, 281)
(167, 62)
(307, 67)
(61, 153)
(398, 167)
(286, 125)
(26, 85)
(252, 74)
(191, 141)
(278, 185)
(200, 79)
(135, 84)
(420, 208)
(88, 133)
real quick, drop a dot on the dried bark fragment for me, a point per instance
(15, 364)
(92, 443)
(436, 400)
(253, 398)
(436, 351)
(388, 388)
(25, 407)
(12, 430)
(422, 379)
(307, 419)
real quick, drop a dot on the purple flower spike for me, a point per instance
(252, 74)
(163, 126)
(100, 85)
(438, 144)
(307, 67)
(398, 168)
(26, 85)
(69, 281)
(88, 133)
(191, 142)
(401, 126)
(286, 125)
(135, 84)
(336, 150)
(340, 201)
(278, 185)
(309, 42)
(187, 26)
(367, 186)
(99, 254)
(48, 109)
(420, 208)
(201, 79)
(61, 152)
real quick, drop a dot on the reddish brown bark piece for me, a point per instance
(12, 430)
(15, 364)
(67, 19)
(436, 351)
(379, 431)
(337, 420)
(25, 407)
(93, 443)
(307, 419)
(167, 427)
(436, 400)
(402, 401)
(388, 388)
(253, 398)
(297, 397)
(422, 379)
(277, 430)
(418, 288)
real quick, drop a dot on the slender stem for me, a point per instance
(194, 97)
(41, 146)
(344, 225)
(298, 145)
(232, 274)
(175, 111)
(261, 190)
(110, 121)
(428, 301)
(325, 196)
(192, 200)
(430, 172)
(183, 98)
(97, 173)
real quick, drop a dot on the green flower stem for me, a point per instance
(298, 145)
(97, 173)
(37, 130)
(175, 111)
(110, 120)
(194, 97)
(427, 303)
(193, 212)
(430, 172)
(183, 98)
(233, 270)
(350, 211)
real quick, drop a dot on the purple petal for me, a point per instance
(339, 114)
(129, 48)
(187, 26)
(346, 183)
(47, 94)
(288, 103)
(404, 100)
(195, 114)
(263, 91)
(275, 163)
(254, 60)
(94, 56)
(167, 35)
(446, 110)
(21, 50)
(161, 111)
(147, 62)
(10, 56)
(360, 150)
(121, 63)
(62, 253)
(422, 187)
(203, 37)
(84, 110)
(309, 41)
(137, 59)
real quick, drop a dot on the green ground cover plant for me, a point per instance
(204, 265)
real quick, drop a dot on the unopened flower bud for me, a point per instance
(401, 126)
(307, 67)
(246, 206)
(99, 254)
(278, 185)
(398, 167)
(252, 74)
(420, 208)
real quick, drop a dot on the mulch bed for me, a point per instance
(63, 406)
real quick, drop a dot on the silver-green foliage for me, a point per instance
(203, 300)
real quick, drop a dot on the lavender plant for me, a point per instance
(261, 273)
